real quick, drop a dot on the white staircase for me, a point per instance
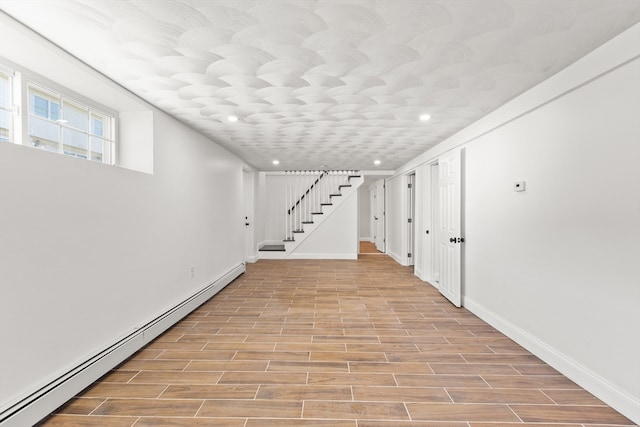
(312, 198)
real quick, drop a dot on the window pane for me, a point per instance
(96, 126)
(54, 110)
(5, 126)
(76, 153)
(75, 116)
(44, 130)
(5, 92)
(74, 138)
(66, 126)
(98, 147)
(40, 106)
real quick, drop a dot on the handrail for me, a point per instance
(311, 190)
(322, 174)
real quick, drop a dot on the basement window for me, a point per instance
(54, 119)
(64, 125)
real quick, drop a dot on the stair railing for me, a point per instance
(305, 194)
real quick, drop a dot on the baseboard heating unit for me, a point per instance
(45, 400)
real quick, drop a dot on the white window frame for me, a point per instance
(15, 128)
(23, 82)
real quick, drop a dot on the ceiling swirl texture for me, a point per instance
(327, 83)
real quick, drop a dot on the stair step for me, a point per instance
(288, 240)
(317, 213)
(272, 248)
(334, 195)
(298, 231)
(354, 176)
(307, 222)
(344, 185)
(326, 204)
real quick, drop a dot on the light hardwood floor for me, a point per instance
(333, 343)
(368, 248)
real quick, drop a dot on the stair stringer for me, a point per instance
(292, 249)
(318, 221)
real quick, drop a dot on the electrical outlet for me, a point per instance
(192, 272)
(519, 186)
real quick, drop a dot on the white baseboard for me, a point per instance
(366, 239)
(397, 258)
(296, 255)
(45, 400)
(621, 401)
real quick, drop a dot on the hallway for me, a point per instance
(332, 343)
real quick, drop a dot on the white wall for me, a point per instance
(557, 267)
(336, 237)
(561, 260)
(89, 252)
(396, 234)
(364, 214)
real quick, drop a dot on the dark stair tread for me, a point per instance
(317, 213)
(298, 231)
(344, 185)
(307, 222)
(326, 204)
(288, 240)
(354, 176)
(272, 248)
(334, 195)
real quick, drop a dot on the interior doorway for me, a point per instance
(379, 215)
(248, 191)
(443, 240)
(411, 215)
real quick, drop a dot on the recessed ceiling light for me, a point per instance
(232, 118)
(424, 117)
(376, 162)
(276, 162)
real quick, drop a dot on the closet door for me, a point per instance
(450, 239)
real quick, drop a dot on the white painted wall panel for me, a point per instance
(364, 214)
(336, 237)
(556, 267)
(560, 260)
(89, 252)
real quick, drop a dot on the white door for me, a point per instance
(411, 197)
(449, 236)
(378, 217)
(248, 193)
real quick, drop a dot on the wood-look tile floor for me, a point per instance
(333, 343)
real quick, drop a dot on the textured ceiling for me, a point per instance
(327, 83)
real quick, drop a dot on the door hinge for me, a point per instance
(409, 220)
(408, 255)
(408, 185)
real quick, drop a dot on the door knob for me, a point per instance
(452, 240)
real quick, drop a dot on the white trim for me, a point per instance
(397, 258)
(366, 239)
(296, 255)
(42, 402)
(626, 404)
